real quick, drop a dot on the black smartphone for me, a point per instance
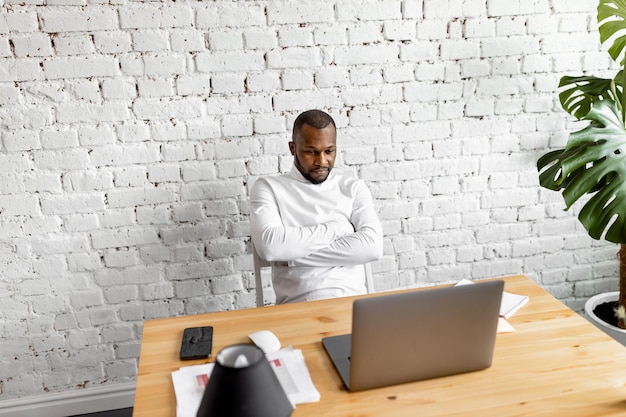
(197, 343)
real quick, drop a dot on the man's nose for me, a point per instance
(320, 159)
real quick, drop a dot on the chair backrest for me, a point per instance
(262, 263)
(258, 279)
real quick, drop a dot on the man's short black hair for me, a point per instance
(314, 118)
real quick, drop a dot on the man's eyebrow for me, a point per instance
(315, 147)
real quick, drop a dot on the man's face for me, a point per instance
(314, 151)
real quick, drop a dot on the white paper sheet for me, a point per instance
(288, 364)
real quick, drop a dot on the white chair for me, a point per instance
(262, 263)
(258, 279)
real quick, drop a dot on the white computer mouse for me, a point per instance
(266, 340)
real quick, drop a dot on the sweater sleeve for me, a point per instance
(364, 245)
(275, 242)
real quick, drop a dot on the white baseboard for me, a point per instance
(64, 404)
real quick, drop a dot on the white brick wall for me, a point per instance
(130, 133)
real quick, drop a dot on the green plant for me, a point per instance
(593, 162)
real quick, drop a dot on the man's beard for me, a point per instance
(306, 174)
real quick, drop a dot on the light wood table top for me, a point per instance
(555, 364)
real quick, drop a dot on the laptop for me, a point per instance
(417, 335)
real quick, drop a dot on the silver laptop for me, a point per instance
(398, 338)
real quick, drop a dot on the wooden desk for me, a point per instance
(556, 364)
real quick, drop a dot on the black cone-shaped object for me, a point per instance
(243, 384)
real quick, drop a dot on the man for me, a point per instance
(315, 226)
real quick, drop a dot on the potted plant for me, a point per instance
(593, 163)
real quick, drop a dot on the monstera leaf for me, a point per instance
(612, 22)
(593, 163)
(578, 94)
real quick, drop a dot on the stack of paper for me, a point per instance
(511, 303)
(288, 365)
(189, 383)
(509, 306)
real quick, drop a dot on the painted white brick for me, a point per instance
(102, 135)
(62, 159)
(55, 20)
(118, 89)
(412, 9)
(176, 152)
(150, 41)
(400, 30)
(514, 7)
(564, 6)
(72, 44)
(130, 154)
(513, 26)
(270, 124)
(479, 28)
(260, 39)
(140, 196)
(300, 12)
(292, 101)
(566, 62)
(263, 82)
(85, 181)
(432, 29)
(295, 37)
(81, 67)
(90, 113)
(9, 95)
(365, 32)
(187, 41)
(596, 61)
(188, 213)
(117, 218)
(110, 42)
(72, 204)
(369, 10)
(358, 55)
(573, 42)
(152, 215)
(542, 24)
(297, 80)
(509, 46)
(294, 58)
(164, 173)
(334, 35)
(366, 75)
(167, 131)
(159, 65)
(81, 222)
(228, 83)
(225, 15)
(229, 169)
(18, 21)
(230, 61)
(22, 140)
(22, 70)
(120, 259)
(37, 44)
(167, 108)
(226, 40)
(155, 16)
(237, 126)
(193, 85)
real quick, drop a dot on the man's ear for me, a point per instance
(292, 147)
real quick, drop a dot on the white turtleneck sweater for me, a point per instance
(316, 236)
